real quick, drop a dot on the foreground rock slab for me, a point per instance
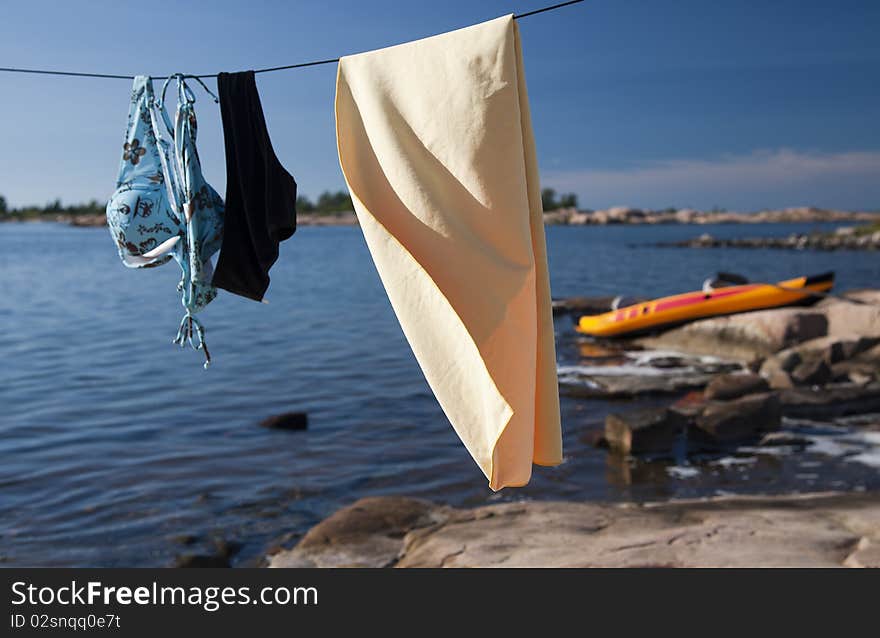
(822, 530)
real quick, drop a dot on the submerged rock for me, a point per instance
(294, 421)
(219, 554)
(185, 539)
(201, 561)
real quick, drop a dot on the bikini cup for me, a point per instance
(142, 222)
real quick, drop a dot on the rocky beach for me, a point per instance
(755, 383)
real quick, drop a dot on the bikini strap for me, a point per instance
(172, 179)
(207, 90)
(190, 326)
(191, 331)
(184, 93)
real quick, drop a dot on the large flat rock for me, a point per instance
(823, 530)
(744, 336)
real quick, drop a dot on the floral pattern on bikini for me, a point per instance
(133, 151)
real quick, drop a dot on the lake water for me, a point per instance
(114, 444)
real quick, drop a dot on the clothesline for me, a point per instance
(465, 272)
(266, 70)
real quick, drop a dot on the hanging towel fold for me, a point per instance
(435, 142)
(260, 194)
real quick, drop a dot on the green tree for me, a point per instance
(328, 202)
(568, 200)
(334, 202)
(549, 201)
(3, 208)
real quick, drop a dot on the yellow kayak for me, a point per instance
(677, 309)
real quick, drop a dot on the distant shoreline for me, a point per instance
(92, 221)
(860, 237)
(620, 215)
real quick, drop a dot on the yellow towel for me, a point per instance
(435, 141)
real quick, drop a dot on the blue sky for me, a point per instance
(741, 104)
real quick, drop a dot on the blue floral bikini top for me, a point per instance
(163, 208)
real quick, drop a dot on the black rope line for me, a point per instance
(550, 8)
(301, 65)
(71, 73)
